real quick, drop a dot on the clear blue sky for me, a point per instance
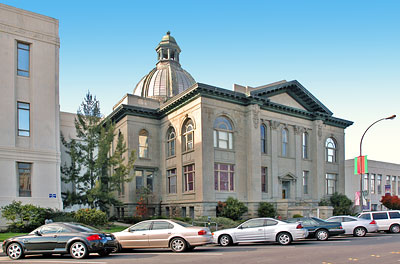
(347, 53)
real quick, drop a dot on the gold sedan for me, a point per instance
(163, 233)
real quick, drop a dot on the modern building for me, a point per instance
(29, 104)
(382, 178)
(198, 144)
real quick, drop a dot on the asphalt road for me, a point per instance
(374, 248)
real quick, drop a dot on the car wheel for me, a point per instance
(360, 231)
(284, 238)
(178, 244)
(225, 240)
(15, 251)
(322, 235)
(394, 229)
(78, 250)
(104, 253)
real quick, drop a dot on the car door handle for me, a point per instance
(55, 236)
(169, 233)
(260, 230)
(144, 234)
(25, 240)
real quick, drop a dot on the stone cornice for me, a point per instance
(30, 34)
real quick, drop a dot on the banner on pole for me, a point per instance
(361, 165)
(357, 198)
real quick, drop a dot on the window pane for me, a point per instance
(231, 181)
(24, 174)
(216, 180)
(230, 141)
(23, 60)
(215, 139)
(149, 180)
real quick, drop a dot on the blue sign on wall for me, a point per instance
(52, 195)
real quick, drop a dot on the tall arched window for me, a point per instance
(330, 147)
(263, 135)
(171, 140)
(305, 145)
(223, 133)
(143, 144)
(188, 135)
(285, 142)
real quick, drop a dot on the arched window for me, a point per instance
(330, 146)
(188, 135)
(285, 142)
(263, 135)
(171, 140)
(305, 145)
(223, 133)
(143, 144)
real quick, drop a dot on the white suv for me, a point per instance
(386, 220)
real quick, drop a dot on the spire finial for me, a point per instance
(168, 32)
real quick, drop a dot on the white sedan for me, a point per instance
(261, 229)
(355, 226)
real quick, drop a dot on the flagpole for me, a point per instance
(361, 159)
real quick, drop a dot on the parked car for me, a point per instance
(318, 228)
(261, 229)
(355, 226)
(163, 233)
(388, 221)
(61, 238)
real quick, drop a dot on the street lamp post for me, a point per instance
(361, 175)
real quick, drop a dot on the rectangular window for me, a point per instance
(149, 180)
(372, 183)
(191, 212)
(305, 146)
(143, 146)
(393, 185)
(25, 179)
(224, 175)
(23, 119)
(23, 59)
(264, 179)
(171, 180)
(305, 182)
(188, 177)
(183, 211)
(331, 180)
(366, 182)
(398, 185)
(139, 179)
(379, 183)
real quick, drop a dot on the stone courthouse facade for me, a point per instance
(197, 144)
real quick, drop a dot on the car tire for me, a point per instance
(178, 245)
(284, 238)
(15, 251)
(322, 235)
(78, 250)
(394, 228)
(225, 240)
(359, 231)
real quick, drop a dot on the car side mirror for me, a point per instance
(37, 233)
(131, 230)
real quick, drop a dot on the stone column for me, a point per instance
(275, 141)
(298, 154)
(317, 154)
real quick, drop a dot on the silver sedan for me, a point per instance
(261, 229)
(355, 226)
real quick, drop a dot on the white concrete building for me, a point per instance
(382, 178)
(29, 108)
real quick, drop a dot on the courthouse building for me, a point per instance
(198, 144)
(29, 104)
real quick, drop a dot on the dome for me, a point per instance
(168, 78)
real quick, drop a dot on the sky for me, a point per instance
(346, 53)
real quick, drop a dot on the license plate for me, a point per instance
(108, 238)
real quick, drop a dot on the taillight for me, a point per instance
(340, 227)
(93, 237)
(202, 232)
(373, 222)
(299, 226)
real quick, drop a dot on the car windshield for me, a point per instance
(318, 220)
(83, 228)
(181, 223)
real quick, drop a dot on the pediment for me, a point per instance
(287, 100)
(287, 177)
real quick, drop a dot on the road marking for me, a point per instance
(52, 261)
(339, 241)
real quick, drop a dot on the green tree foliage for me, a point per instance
(233, 209)
(92, 217)
(96, 171)
(391, 202)
(341, 204)
(266, 209)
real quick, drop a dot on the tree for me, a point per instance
(341, 204)
(96, 171)
(391, 202)
(233, 209)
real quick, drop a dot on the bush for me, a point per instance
(297, 216)
(324, 202)
(25, 218)
(233, 209)
(391, 202)
(92, 217)
(266, 209)
(341, 204)
(222, 222)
